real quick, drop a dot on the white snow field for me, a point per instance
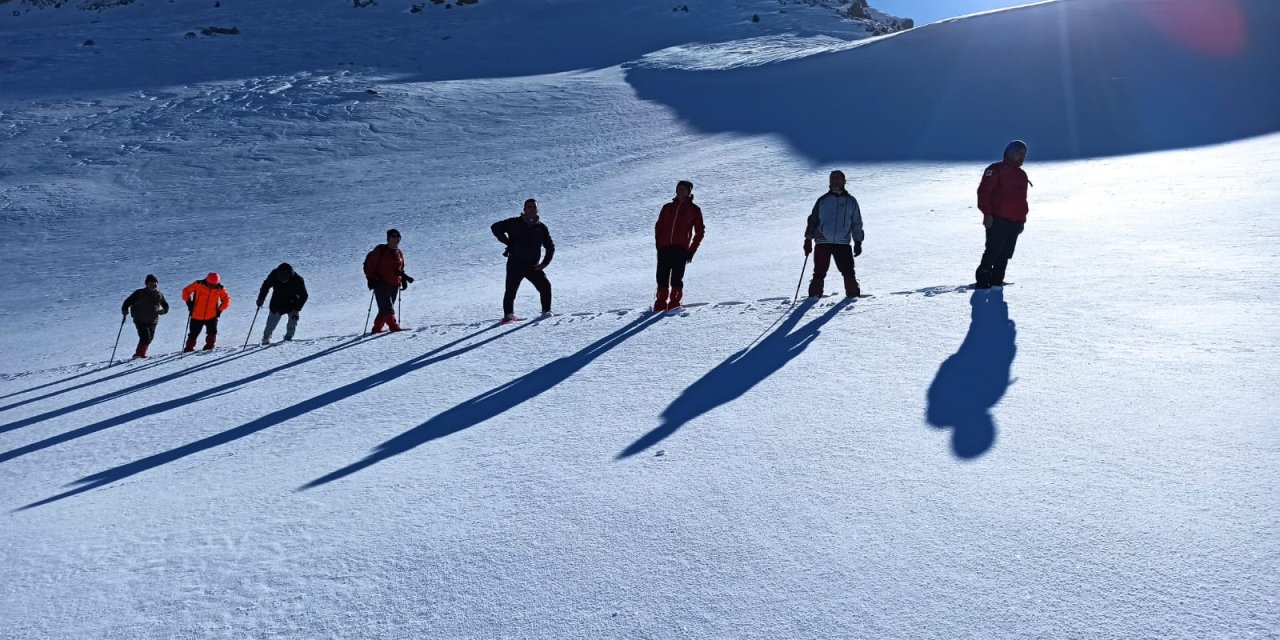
(1089, 453)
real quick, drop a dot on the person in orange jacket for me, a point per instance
(206, 300)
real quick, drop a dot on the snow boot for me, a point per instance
(378, 323)
(140, 352)
(508, 319)
(660, 304)
(676, 296)
(392, 325)
(851, 288)
(266, 341)
(190, 346)
(208, 344)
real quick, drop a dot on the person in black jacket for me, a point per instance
(289, 294)
(525, 237)
(146, 305)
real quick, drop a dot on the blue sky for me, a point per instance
(923, 11)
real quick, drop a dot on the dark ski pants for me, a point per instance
(823, 254)
(273, 320)
(516, 273)
(211, 331)
(386, 295)
(146, 333)
(1002, 239)
(671, 263)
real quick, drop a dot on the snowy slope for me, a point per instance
(1087, 453)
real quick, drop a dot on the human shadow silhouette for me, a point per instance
(114, 395)
(492, 403)
(119, 374)
(738, 374)
(276, 417)
(975, 378)
(168, 405)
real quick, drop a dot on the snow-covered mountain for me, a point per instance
(1086, 453)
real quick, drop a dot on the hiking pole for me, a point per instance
(796, 298)
(255, 321)
(400, 307)
(117, 344)
(367, 315)
(186, 332)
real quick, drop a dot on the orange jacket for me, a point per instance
(206, 301)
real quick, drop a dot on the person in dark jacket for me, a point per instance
(836, 220)
(1002, 199)
(384, 271)
(677, 235)
(289, 294)
(525, 237)
(147, 305)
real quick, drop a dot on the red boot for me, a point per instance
(661, 303)
(392, 325)
(378, 322)
(676, 296)
(190, 346)
(141, 351)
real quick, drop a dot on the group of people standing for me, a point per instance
(833, 233)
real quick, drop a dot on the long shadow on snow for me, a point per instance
(114, 395)
(119, 374)
(169, 405)
(1075, 79)
(972, 381)
(276, 417)
(738, 374)
(492, 403)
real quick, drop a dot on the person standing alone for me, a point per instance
(677, 235)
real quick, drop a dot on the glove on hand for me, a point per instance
(857, 249)
(808, 246)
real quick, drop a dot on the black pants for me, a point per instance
(386, 294)
(823, 254)
(146, 333)
(211, 325)
(516, 273)
(671, 263)
(1002, 239)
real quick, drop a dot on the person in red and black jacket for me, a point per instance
(677, 235)
(1002, 198)
(384, 271)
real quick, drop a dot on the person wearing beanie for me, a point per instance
(1002, 199)
(834, 223)
(384, 272)
(289, 293)
(525, 236)
(206, 300)
(147, 305)
(677, 236)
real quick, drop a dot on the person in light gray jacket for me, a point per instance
(835, 221)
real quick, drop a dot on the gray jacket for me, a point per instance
(836, 219)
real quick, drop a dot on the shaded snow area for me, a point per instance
(1088, 453)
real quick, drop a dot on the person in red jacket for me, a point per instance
(206, 300)
(677, 235)
(1002, 199)
(384, 271)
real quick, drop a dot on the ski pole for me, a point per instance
(367, 315)
(255, 321)
(400, 307)
(117, 344)
(796, 298)
(186, 332)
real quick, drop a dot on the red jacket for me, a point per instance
(1003, 192)
(384, 265)
(206, 301)
(679, 225)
